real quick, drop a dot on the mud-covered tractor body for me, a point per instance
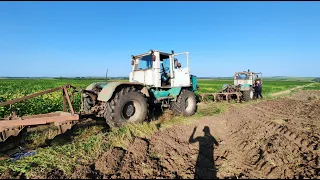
(157, 78)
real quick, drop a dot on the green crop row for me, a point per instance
(315, 86)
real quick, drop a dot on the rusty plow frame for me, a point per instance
(12, 125)
(224, 94)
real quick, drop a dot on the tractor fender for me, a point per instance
(109, 89)
(224, 86)
(92, 86)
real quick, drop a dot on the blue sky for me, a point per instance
(86, 38)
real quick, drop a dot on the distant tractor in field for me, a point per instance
(241, 90)
(157, 78)
(244, 82)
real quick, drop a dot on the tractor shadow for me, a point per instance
(205, 165)
(158, 114)
(90, 121)
(154, 113)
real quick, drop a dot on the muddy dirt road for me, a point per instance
(292, 89)
(270, 139)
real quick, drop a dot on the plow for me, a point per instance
(227, 92)
(64, 120)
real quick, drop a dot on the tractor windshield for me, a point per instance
(144, 63)
(243, 76)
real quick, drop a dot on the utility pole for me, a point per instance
(107, 76)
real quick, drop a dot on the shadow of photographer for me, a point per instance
(205, 166)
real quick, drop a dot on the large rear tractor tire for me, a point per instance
(186, 104)
(248, 95)
(127, 106)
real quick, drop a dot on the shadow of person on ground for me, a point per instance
(205, 166)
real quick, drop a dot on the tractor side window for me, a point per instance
(145, 63)
(165, 71)
(180, 61)
(166, 63)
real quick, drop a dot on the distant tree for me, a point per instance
(316, 79)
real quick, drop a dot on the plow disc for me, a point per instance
(227, 93)
(217, 97)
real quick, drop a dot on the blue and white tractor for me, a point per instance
(245, 81)
(157, 78)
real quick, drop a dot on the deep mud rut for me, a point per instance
(268, 139)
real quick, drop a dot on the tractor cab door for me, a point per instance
(257, 77)
(165, 71)
(181, 73)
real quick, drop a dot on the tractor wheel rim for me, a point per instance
(186, 102)
(251, 94)
(129, 110)
(189, 104)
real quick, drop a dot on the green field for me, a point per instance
(15, 88)
(67, 152)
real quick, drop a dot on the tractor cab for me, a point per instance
(161, 69)
(246, 79)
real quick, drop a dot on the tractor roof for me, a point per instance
(246, 72)
(147, 53)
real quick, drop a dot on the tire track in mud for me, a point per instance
(257, 146)
(146, 159)
(274, 148)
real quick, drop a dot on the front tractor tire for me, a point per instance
(186, 104)
(248, 95)
(127, 106)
